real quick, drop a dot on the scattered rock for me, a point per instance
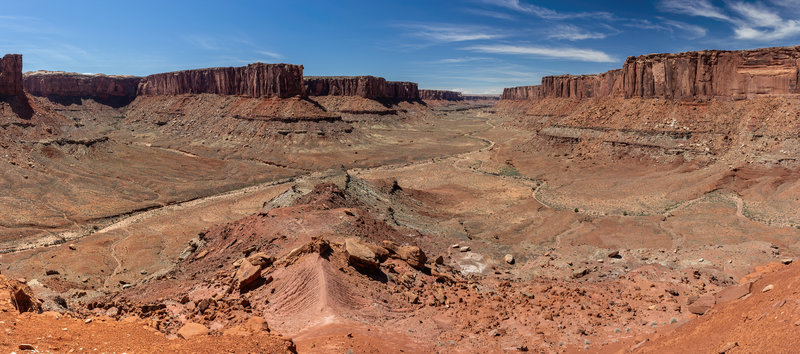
(767, 288)
(580, 273)
(257, 324)
(787, 261)
(413, 255)
(411, 297)
(246, 275)
(439, 260)
(27, 347)
(464, 249)
(202, 254)
(509, 258)
(72, 247)
(727, 347)
(191, 329)
(260, 259)
(733, 293)
(455, 246)
(51, 272)
(22, 297)
(359, 254)
(701, 305)
(614, 254)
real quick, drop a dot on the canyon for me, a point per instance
(253, 208)
(685, 76)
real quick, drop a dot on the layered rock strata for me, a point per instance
(441, 95)
(686, 76)
(254, 80)
(11, 75)
(72, 85)
(362, 86)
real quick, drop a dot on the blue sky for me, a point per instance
(475, 46)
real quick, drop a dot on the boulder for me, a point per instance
(701, 305)
(733, 292)
(246, 275)
(191, 329)
(22, 297)
(260, 259)
(359, 254)
(509, 258)
(413, 255)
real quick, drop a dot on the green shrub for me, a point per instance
(510, 171)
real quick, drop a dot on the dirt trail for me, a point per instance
(126, 219)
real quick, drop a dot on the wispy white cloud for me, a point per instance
(691, 31)
(492, 14)
(207, 43)
(574, 33)
(542, 12)
(577, 54)
(272, 55)
(701, 8)
(761, 23)
(754, 21)
(444, 33)
(461, 60)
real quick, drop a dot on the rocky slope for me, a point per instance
(254, 80)
(427, 95)
(362, 86)
(65, 86)
(11, 75)
(687, 76)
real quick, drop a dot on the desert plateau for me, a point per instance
(255, 206)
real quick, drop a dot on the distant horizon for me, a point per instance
(470, 46)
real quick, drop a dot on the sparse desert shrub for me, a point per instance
(509, 171)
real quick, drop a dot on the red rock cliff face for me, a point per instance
(11, 75)
(61, 84)
(363, 86)
(254, 80)
(440, 95)
(402, 90)
(686, 76)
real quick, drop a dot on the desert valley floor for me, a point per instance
(200, 222)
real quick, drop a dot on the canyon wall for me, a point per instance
(687, 76)
(440, 95)
(11, 75)
(254, 80)
(363, 86)
(72, 85)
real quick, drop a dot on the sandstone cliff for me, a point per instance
(442, 95)
(254, 80)
(11, 75)
(72, 85)
(362, 86)
(688, 76)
